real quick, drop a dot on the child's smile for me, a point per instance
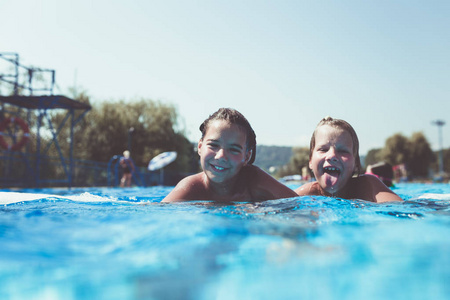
(218, 168)
(223, 151)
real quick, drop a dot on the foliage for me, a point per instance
(414, 152)
(145, 127)
(420, 155)
(396, 150)
(299, 159)
(372, 157)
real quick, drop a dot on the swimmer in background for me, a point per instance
(127, 167)
(334, 159)
(227, 150)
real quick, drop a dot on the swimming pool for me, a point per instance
(111, 243)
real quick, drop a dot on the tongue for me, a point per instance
(331, 178)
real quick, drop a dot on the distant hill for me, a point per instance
(268, 156)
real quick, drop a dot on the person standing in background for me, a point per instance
(127, 167)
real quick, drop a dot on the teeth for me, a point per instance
(331, 169)
(218, 168)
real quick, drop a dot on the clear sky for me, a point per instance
(384, 66)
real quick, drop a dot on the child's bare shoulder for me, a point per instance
(264, 187)
(189, 188)
(305, 189)
(369, 187)
(254, 172)
(369, 181)
(191, 180)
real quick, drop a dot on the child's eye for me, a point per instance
(235, 151)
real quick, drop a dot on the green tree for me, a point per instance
(155, 131)
(396, 150)
(373, 157)
(105, 132)
(420, 155)
(414, 152)
(299, 159)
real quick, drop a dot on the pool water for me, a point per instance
(111, 243)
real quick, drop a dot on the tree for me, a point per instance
(373, 157)
(414, 152)
(420, 155)
(396, 150)
(105, 132)
(299, 159)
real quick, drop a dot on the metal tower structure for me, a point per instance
(26, 114)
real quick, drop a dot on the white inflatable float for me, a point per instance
(162, 160)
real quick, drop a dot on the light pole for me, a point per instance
(439, 124)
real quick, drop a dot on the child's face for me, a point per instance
(223, 151)
(332, 160)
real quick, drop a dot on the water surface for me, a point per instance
(111, 243)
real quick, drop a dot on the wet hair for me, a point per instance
(233, 117)
(341, 124)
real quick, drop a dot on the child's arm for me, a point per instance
(380, 192)
(268, 188)
(304, 189)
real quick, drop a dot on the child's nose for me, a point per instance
(220, 154)
(331, 154)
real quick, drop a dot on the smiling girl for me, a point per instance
(334, 159)
(227, 150)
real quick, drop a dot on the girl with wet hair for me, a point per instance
(334, 160)
(234, 117)
(344, 125)
(227, 150)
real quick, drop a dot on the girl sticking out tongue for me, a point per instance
(334, 159)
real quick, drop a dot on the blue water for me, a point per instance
(111, 243)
